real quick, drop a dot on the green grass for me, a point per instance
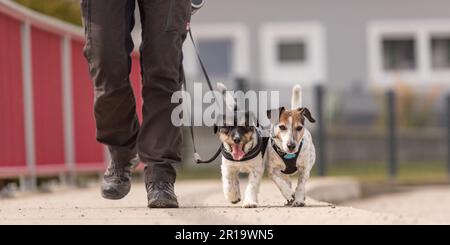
(66, 10)
(432, 172)
(409, 173)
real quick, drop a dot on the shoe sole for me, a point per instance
(113, 194)
(162, 203)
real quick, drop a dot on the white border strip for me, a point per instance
(28, 98)
(66, 61)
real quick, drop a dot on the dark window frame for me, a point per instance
(397, 48)
(434, 38)
(286, 58)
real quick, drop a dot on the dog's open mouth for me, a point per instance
(236, 151)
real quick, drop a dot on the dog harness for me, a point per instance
(289, 159)
(254, 152)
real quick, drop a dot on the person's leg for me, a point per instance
(164, 25)
(108, 25)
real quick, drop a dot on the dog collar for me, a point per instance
(289, 156)
(289, 159)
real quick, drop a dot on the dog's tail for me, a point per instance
(228, 98)
(296, 100)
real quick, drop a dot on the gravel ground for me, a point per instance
(202, 203)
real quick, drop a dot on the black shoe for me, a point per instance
(116, 181)
(161, 195)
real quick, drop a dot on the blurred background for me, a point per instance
(375, 73)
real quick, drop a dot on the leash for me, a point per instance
(205, 73)
(197, 157)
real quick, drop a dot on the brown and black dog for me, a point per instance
(291, 150)
(241, 152)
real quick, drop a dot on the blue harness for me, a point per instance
(289, 159)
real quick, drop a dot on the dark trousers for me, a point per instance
(108, 25)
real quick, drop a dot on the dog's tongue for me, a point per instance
(237, 152)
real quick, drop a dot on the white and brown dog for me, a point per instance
(291, 150)
(241, 152)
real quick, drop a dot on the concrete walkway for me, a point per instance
(429, 205)
(202, 203)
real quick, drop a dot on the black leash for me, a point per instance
(197, 157)
(205, 73)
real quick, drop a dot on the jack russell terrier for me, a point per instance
(291, 150)
(241, 152)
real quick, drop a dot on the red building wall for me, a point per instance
(135, 77)
(12, 136)
(88, 152)
(47, 98)
(48, 104)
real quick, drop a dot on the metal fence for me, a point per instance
(364, 127)
(387, 139)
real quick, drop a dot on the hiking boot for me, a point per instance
(161, 195)
(117, 180)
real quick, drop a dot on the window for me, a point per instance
(413, 51)
(217, 54)
(224, 49)
(291, 51)
(440, 52)
(399, 54)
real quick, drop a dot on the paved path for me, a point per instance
(429, 205)
(202, 203)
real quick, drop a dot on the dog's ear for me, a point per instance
(219, 121)
(271, 113)
(280, 111)
(274, 115)
(252, 119)
(306, 113)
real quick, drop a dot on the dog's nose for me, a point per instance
(237, 140)
(291, 146)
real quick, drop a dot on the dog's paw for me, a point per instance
(249, 205)
(298, 204)
(235, 201)
(289, 202)
(233, 197)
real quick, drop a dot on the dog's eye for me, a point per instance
(299, 128)
(282, 127)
